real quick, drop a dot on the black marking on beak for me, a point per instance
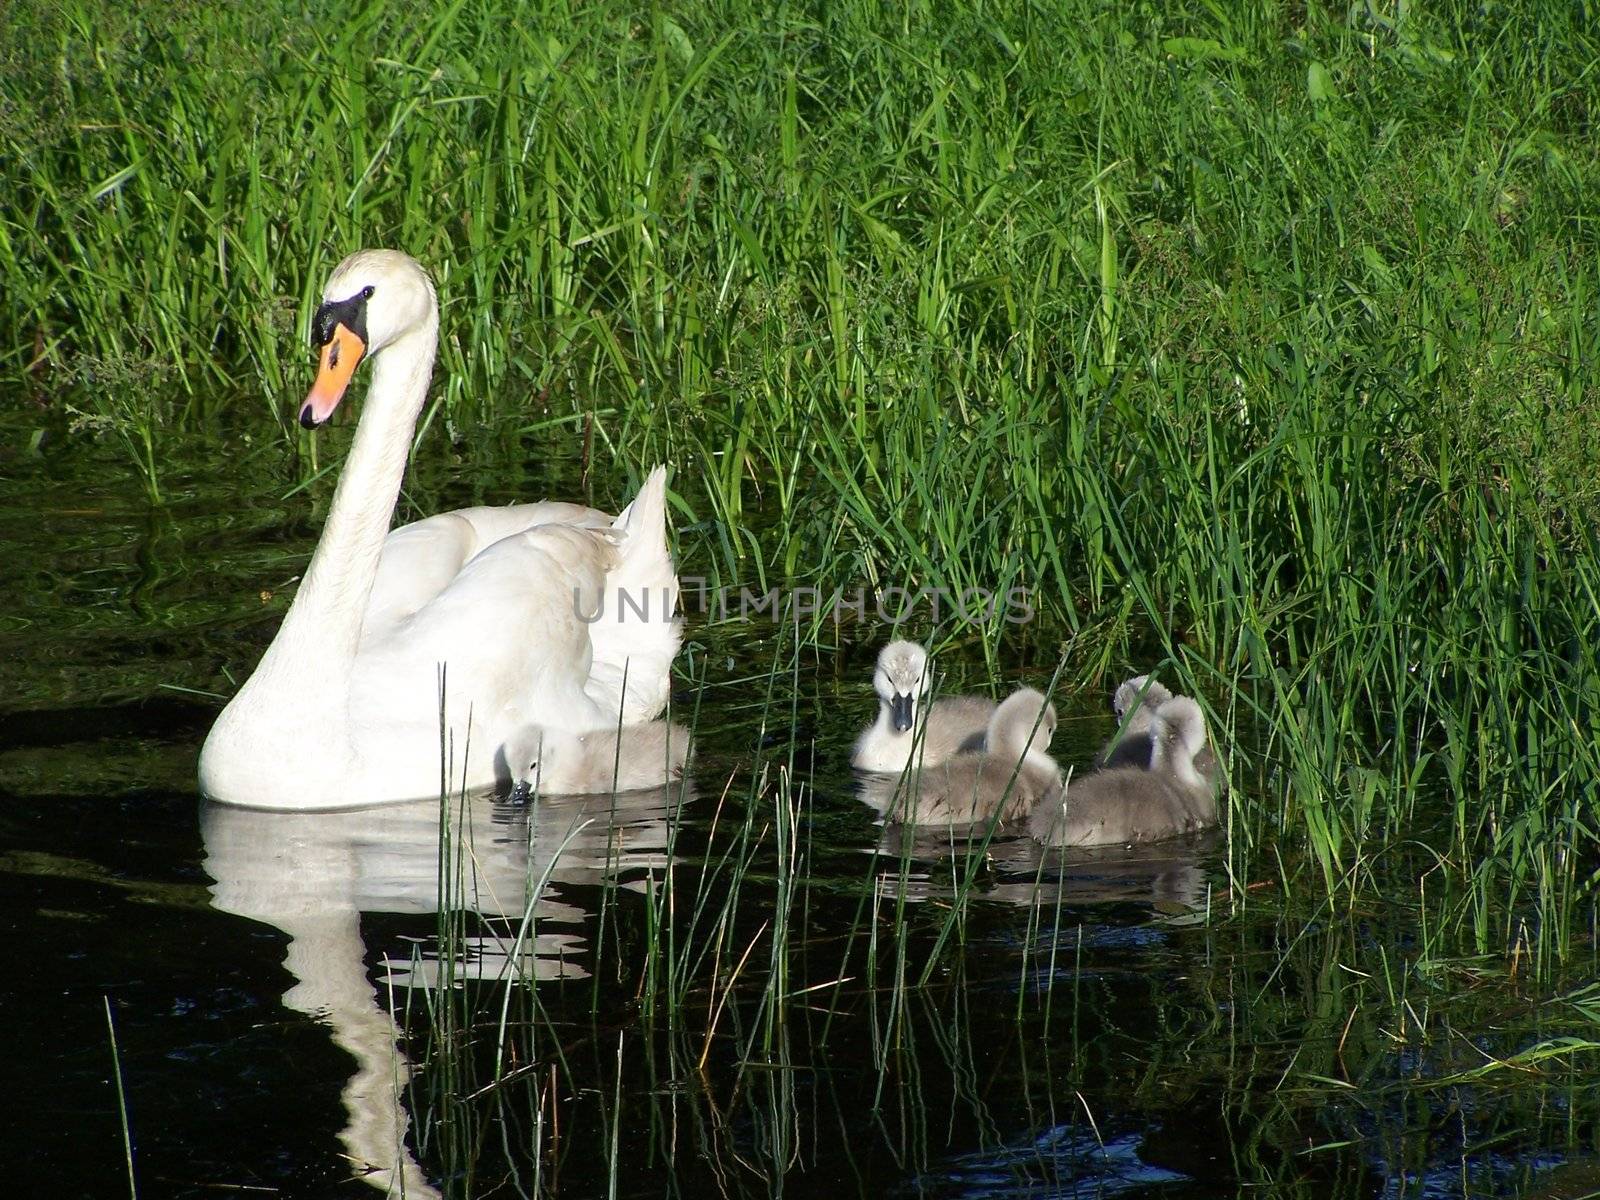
(521, 793)
(900, 711)
(351, 313)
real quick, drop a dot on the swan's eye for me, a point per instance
(351, 313)
(366, 292)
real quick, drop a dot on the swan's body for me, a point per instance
(1127, 804)
(499, 603)
(1004, 781)
(552, 762)
(908, 730)
(1134, 704)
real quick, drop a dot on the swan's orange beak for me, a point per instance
(339, 359)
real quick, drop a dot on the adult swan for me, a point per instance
(545, 613)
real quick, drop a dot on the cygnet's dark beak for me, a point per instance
(521, 792)
(900, 712)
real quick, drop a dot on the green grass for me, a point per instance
(1255, 342)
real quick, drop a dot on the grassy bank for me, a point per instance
(1258, 343)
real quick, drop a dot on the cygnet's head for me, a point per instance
(372, 299)
(901, 681)
(1140, 692)
(528, 753)
(1023, 723)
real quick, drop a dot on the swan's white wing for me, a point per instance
(638, 632)
(509, 629)
(421, 559)
(493, 522)
(417, 563)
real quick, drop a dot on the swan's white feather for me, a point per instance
(420, 559)
(637, 633)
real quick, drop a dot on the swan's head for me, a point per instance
(901, 681)
(1179, 734)
(373, 298)
(1023, 724)
(528, 754)
(1142, 693)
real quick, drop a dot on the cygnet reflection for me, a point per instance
(918, 864)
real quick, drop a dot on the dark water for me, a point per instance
(737, 989)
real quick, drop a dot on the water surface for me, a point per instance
(741, 987)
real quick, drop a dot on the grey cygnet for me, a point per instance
(1004, 781)
(908, 731)
(1125, 805)
(558, 762)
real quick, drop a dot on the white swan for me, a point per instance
(556, 763)
(532, 612)
(906, 724)
(1004, 781)
(1129, 804)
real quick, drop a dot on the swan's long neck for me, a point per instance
(322, 630)
(1187, 773)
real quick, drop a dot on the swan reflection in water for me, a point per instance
(312, 875)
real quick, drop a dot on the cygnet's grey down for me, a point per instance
(1134, 703)
(559, 763)
(908, 730)
(1126, 805)
(1004, 781)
